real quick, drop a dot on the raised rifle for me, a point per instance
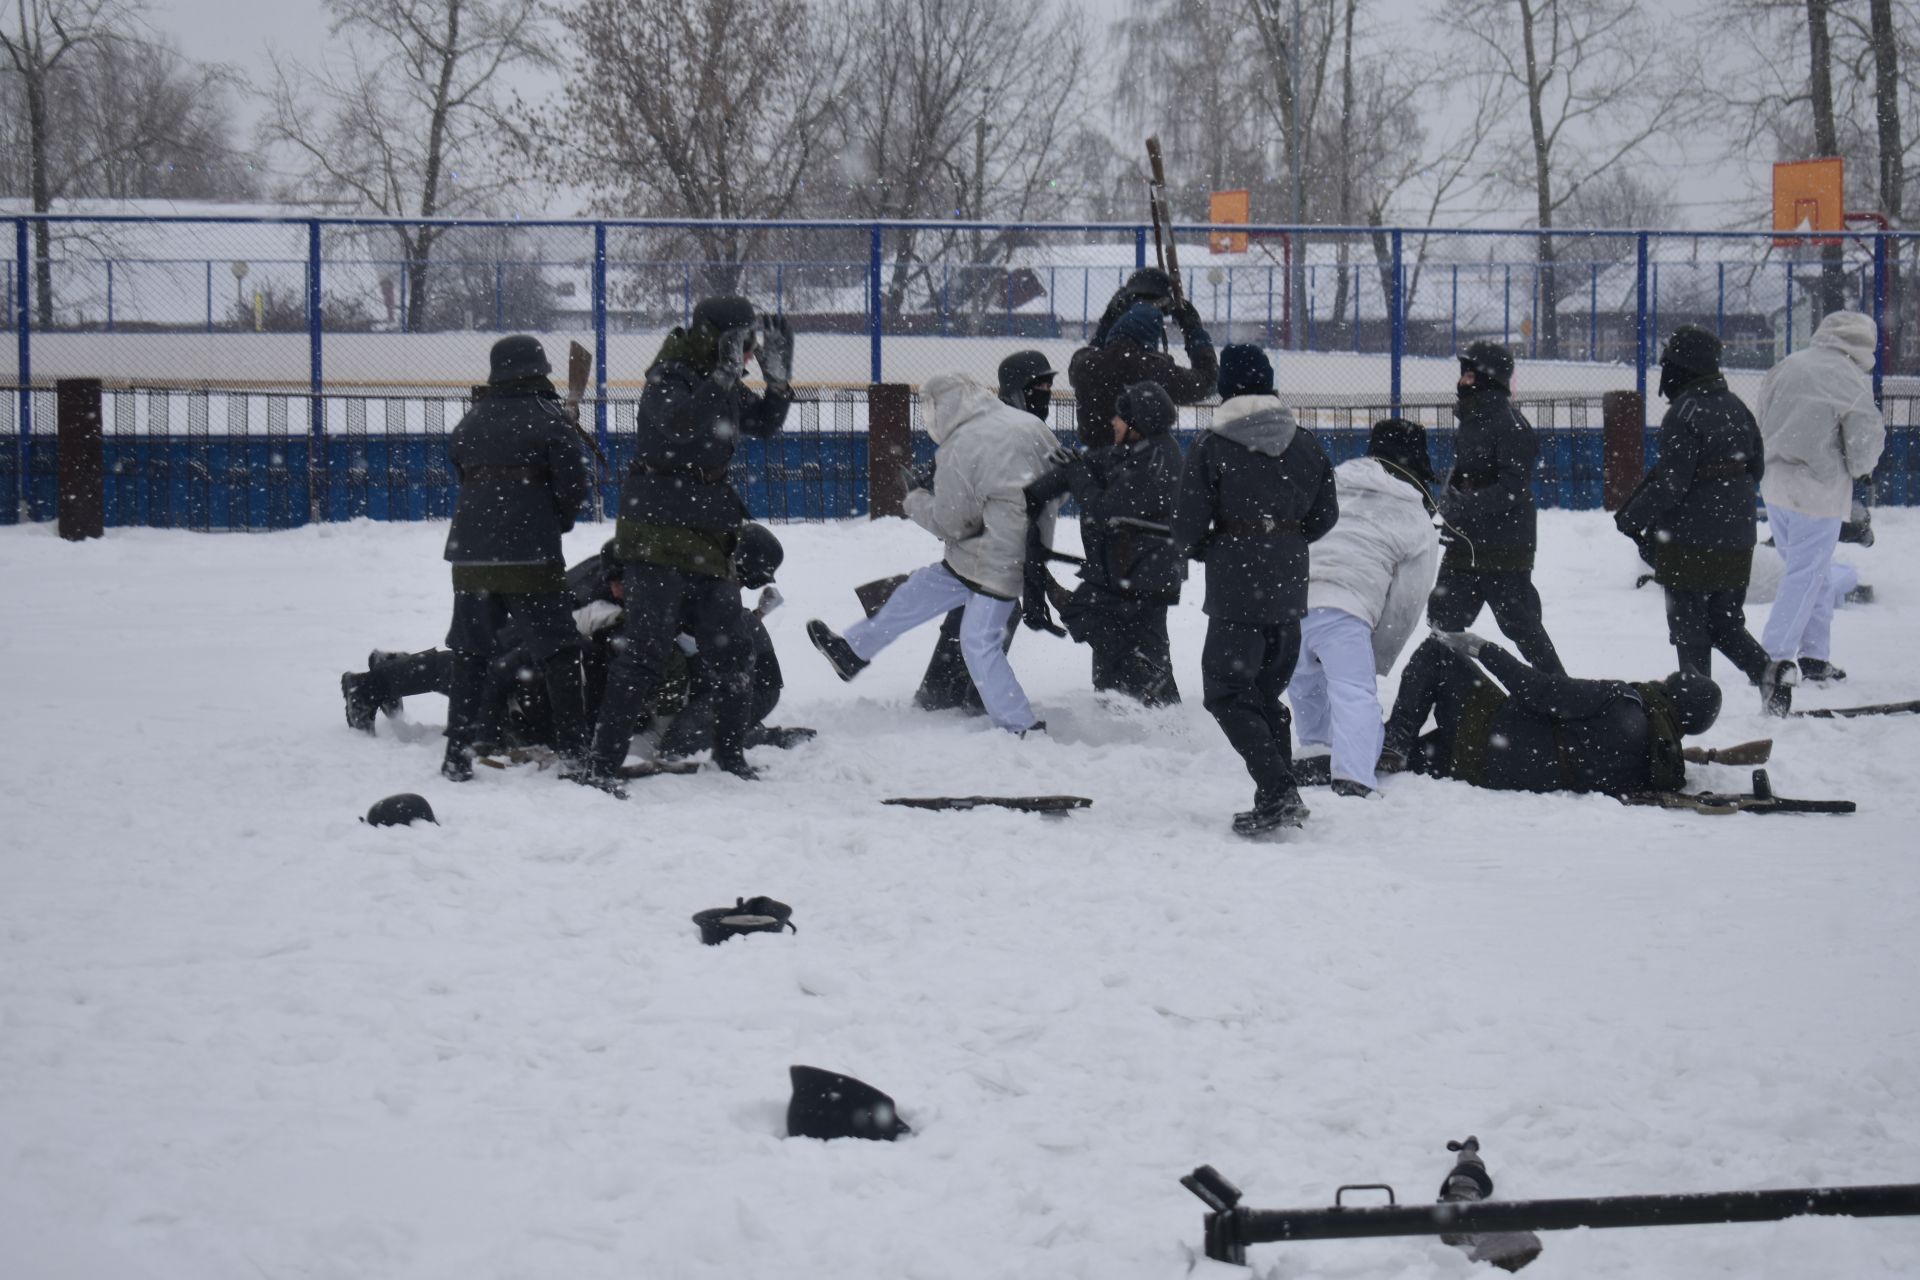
(579, 368)
(1164, 249)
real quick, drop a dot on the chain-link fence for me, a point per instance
(336, 321)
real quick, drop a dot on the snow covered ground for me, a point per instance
(243, 1035)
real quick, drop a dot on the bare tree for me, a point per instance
(44, 38)
(695, 109)
(1595, 84)
(149, 124)
(415, 101)
(958, 107)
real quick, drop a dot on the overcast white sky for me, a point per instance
(1713, 189)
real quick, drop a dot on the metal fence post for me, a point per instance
(600, 334)
(23, 335)
(1139, 248)
(1879, 314)
(109, 295)
(1640, 316)
(316, 384)
(873, 304)
(1398, 305)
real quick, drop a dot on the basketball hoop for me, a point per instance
(1809, 202)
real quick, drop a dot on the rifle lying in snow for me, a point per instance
(1473, 1224)
(1849, 713)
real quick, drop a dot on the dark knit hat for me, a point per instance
(1142, 322)
(1404, 444)
(723, 313)
(517, 357)
(1244, 371)
(1146, 408)
(1150, 284)
(826, 1104)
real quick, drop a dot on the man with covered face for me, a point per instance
(680, 520)
(1026, 383)
(975, 502)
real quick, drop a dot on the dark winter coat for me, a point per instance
(1555, 733)
(1256, 491)
(1099, 373)
(1695, 510)
(522, 478)
(688, 428)
(1488, 498)
(1119, 489)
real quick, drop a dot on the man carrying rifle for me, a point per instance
(1126, 494)
(1126, 348)
(680, 521)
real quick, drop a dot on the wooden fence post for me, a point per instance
(889, 447)
(81, 505)
(1623, 445)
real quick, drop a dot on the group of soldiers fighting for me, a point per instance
(1316, 575)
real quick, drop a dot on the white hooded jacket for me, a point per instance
(988, 453)
(1819, 421)
(1378, 562)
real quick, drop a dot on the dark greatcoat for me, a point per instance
(687, 430)
(1695, 510)
(1488, 496)
(522, 478)
(1101, 372)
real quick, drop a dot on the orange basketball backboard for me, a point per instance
(1228, 206)
(1809, 199)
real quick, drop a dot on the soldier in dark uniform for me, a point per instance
(1126, 348)
(679, 521)
(1026, 383)
(1126, 494)
(522, 478)
(1256, 491)
(1546, 731)
(1693, 515)
(1488, 506)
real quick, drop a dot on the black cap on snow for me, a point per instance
(1403, 443)
(757, 555)
(1696, 700)
(1018, 372)
(723, 313)
(517, 357)
(402, 810)
(1146, 408)
(746, 915)
(1489, 361)
(826, 1104)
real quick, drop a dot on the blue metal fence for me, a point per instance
(874, 293)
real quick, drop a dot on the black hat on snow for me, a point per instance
(1489, 361)
(402, 810)
(1695, 698)
(757, 555)
(1403, 443)
(1018, 372)
(718, 315)
(826, 1104)
(746, 915)
(517, 357)
(1146, 408)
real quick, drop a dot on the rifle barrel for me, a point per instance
(1266, 1226)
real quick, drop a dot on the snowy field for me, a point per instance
(244, 1035)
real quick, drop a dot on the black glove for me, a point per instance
(732, 356)
(776, 353)
(1185, 314)
(1035, 613)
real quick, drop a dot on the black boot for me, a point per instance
(1776, 687)
(567, 700)
(361, 693)
(846, 663)
(732, 713)
(1272, 811)
(469, 678)
(1820, 671)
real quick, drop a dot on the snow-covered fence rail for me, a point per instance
(244, 460)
